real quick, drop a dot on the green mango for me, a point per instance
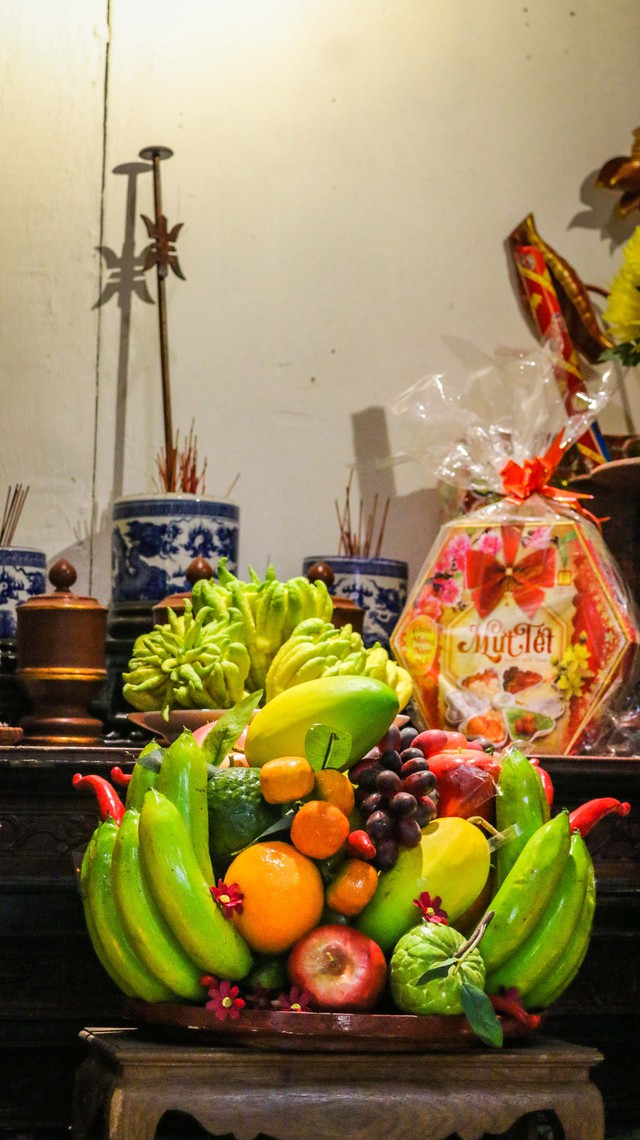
(362, 706)
(451, 862)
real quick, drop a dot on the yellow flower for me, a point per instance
(573, 668)
(622, 311)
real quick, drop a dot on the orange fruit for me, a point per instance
(319, 829)
(285, 779)
(336, 788)
(353, 887)
(283, 895)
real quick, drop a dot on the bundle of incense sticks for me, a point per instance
(356, 543)
(184, 466)
(14, 502)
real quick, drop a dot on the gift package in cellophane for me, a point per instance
(518, 627)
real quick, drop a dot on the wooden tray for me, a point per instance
(316, 1032)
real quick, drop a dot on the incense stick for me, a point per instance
(355, 543)
(13, 507)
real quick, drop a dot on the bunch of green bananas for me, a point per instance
(316, 648)
(145, 886)
(196, 661)
(543, 913)
(269, 611)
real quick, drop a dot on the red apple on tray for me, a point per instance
(434, 740)
(342, 969)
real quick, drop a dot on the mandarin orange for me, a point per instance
(283, 895)
(336, 788)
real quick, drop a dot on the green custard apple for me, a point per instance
(425, 946)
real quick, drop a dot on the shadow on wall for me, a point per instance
(125, 280)
(90, 555)
(413, 520)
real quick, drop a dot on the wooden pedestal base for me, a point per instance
(128, 1083)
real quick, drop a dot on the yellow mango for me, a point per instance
(362, 706)
(451, 861)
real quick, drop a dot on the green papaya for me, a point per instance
(362, 706)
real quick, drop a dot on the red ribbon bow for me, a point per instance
(533, 477)
(488, 579)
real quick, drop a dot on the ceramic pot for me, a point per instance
(156, 537)
(378, 585)
(22, 576)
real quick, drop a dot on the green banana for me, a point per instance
(525, 893)
(142, 778)
(104, 919)
(145, 926)
(556, 980)
(183, 780)
(182, 893)
(520, 801)
(87, 861)
(537, 957)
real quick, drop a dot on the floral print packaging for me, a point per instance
(518, 628)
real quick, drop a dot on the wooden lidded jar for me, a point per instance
(61, 662)
(196, 570)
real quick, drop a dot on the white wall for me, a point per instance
(346, 172)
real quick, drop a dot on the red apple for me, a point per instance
(466, 789)
(343, 970)
(434, 740)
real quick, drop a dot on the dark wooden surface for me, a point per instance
(127, 1084)
(51, 985)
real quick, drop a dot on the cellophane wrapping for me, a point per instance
(518, 627)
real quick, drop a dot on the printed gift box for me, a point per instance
(517, 630)
(518, 627)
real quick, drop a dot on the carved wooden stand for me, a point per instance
(127, 1084)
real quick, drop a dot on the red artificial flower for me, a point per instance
(259, 997)
(296, 1001)
(229, 898)
(224, 999)
(431, 909)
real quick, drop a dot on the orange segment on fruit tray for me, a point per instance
(283, 895)
(353, 887)
(319, 829)
(336, 788)
(285, 779)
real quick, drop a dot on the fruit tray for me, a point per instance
(284, 1030)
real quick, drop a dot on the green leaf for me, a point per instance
(438, 971)
(327, 747)
(282, 824)
(481, 1015)
(219, 741)
(151, 760)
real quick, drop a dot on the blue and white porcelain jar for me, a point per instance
(23, 574)
(378, 585)
(156, 537)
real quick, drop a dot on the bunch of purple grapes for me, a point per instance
(396, 794)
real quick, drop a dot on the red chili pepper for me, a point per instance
(545, 780)
(584, 817)
(120, 778)
(360, 844)
(504, 1003)
(109, 802)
